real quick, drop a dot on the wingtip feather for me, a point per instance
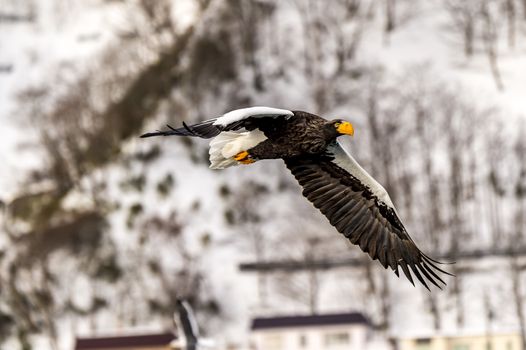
(419, 277)
(150, 134)
(406, 271)
(430, 262)
(426, 275)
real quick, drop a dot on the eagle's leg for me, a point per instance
(244, 158)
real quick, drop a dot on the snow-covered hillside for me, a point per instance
(431, 125)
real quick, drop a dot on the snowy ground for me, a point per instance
(32, 50)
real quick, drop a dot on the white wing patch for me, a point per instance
(345, 161)
(243, 113)
(227, 144)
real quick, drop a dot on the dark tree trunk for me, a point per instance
(469, 36)
(491, 42)
(511, 14)
(390, 19)
(518, 298)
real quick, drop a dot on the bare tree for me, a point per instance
(244, 214)
(518, 297)
(390, 19)
(330, 34)
(519, 190)
(517, 236)
(489, 316)
(496, 185)
(511, 14)
(490, 36)
(82, 127)
(463, 16)
(433, 214)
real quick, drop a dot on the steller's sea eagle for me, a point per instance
(355, 203)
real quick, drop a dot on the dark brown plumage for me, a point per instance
(353, 202)
(355, 212)
(292, 137)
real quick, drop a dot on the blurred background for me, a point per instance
(101, 232)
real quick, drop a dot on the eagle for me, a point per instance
(332, 180)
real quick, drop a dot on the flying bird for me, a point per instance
(353, 201)
(187, 323)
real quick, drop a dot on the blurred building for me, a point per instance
(155, 341)
(493, 341)
(314, 332)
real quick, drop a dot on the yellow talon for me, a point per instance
(244, 158)
(241, 156)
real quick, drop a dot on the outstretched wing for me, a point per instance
(233, 120)
(360, 208)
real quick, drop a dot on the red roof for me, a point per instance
(160, 339)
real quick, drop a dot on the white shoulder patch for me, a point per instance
(243, 113)
(345, 161)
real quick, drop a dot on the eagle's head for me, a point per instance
(338, 127)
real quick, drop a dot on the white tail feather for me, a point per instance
(227, 144)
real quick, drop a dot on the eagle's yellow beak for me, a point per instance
(346, 128)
